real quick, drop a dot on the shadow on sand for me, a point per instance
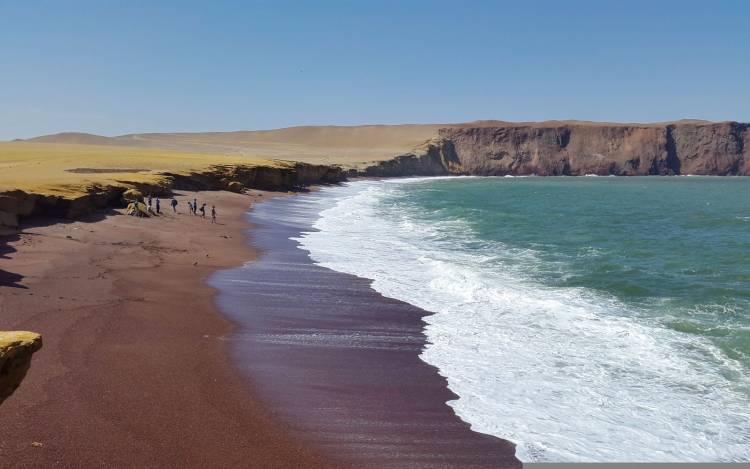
(9, 279)
(13, 279)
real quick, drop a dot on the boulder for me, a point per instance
(139, 209)
(235, 186)
(16, 349)
(132, 195)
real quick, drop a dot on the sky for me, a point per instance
(117, 67)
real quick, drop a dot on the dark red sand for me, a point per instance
(338, 362)
(134, 371)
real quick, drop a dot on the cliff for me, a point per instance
(16, 349)
(578, 148)
(17, 204)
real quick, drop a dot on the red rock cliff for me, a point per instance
(578, 148)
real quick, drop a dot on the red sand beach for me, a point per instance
(140, 369)
(133, 372)
(339, 361)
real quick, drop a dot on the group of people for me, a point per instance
(192, 206)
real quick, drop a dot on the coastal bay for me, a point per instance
(259, 235)
(558, 321)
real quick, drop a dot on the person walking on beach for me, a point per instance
(195, 206)
(158, 205)
(190, 206)
(149, 201)
(213, 214)
(203, 210)
(174, 205)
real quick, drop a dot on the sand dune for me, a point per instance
(348, 146)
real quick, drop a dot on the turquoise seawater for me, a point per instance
(584, 319)
(676, 250)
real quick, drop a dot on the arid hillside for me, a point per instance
(480, 147)
(349, 146)
(65, 168)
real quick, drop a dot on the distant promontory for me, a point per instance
(575, 148)
(488, 148)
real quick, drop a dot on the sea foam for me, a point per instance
(565, 373)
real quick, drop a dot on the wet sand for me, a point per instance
(337, 361)
(134, 371)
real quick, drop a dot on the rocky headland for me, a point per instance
(579, 148)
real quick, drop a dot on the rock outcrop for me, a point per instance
(16, 349)
(577, 148)
(434, 158)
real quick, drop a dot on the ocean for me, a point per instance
(583, 319)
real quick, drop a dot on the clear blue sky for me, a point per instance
(117, 67)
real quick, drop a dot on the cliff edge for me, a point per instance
(16, 349)
(580, 148)
(86, 197)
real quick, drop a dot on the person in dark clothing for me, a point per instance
(195, 206)
(149, 201)
(213, 214)
(158, 205)
(174, 205)
(203, 210)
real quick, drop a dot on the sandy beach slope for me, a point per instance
(339, 361)
(134, 371)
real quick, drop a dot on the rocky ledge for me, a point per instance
(16, 349)
(16, 204)
(580, 148)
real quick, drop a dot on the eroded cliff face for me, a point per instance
(16, 204)
(434, 158)
(579, 149)
(716, 149)
(16, 349)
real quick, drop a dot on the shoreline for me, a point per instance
(126, 377)
(131, 380)
(329, 354)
